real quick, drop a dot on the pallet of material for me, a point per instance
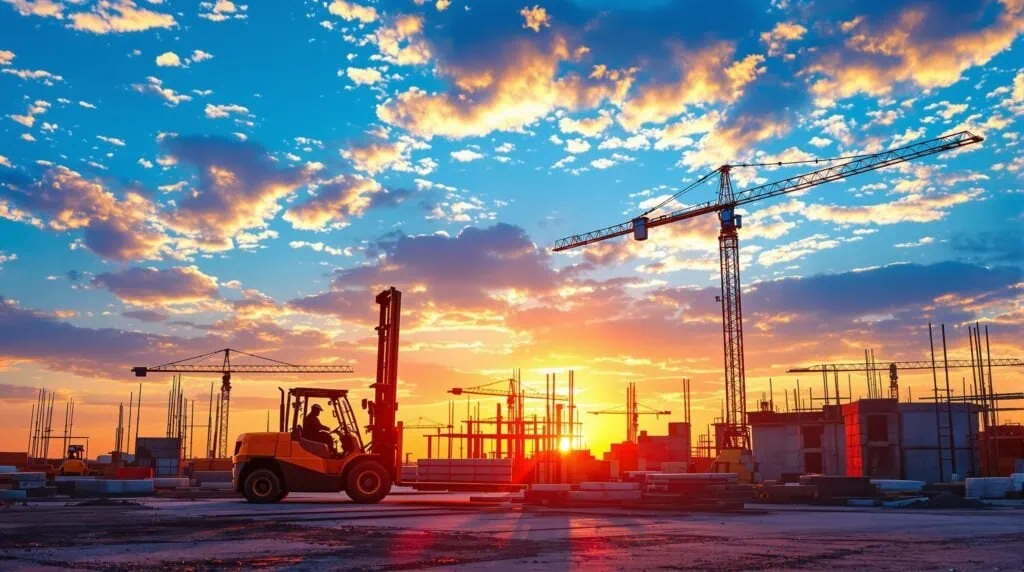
(605, 496)
(9, 495)
(23, 481)
(203, 477)
(786, 493)
(171, 482)
(109, 488)
(989, 487)
(492, 471)
(834, 487)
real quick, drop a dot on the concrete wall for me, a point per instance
(777, 449)
(920, 441)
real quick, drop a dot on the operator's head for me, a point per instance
(317, 409)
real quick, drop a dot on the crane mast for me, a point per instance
(736, 431)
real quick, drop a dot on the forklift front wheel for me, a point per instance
(368, 482)
(262, 486)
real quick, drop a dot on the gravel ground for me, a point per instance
(409, 532)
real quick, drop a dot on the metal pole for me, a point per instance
(138, 414)
(128, 439)
(949, 406)
(935, 390)
(992, 391)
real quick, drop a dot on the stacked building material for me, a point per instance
(112, 488)
(988, 487)
(697, 490)
(409, 473)
(897, 487)
(482, 471)
(606, 493)
(833, 487)
(547, 494)
(22, 481)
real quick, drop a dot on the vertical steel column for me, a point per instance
(732, 319)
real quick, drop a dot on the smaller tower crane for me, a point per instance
(632, 412)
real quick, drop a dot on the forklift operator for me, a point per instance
(313, 430)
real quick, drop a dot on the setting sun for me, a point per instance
(564, 445)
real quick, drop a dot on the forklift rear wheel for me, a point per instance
(263, 486)
(368, 482)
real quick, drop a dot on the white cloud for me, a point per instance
(577, 146)
(112, 140)
(363, 76)
(168, 60)
(201, 56)
(602, 163)
(222, 111)
(465, 155)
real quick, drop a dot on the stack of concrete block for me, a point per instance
(547, 494)
(15, 486)
(1017, 480)
(171, 482)
(894, 486)
(988, 487)
(409, 473)
(90, 487)
(479, 471)
(607, 492)
(213, 480)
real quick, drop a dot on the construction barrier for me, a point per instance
(8, 469)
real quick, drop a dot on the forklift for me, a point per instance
(268, 466)
(74, 465)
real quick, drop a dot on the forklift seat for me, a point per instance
(316, 447)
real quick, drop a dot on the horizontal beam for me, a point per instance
(213, 368)
(921, 364)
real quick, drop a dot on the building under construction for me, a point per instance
(939, 438)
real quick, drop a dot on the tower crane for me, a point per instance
(894, 367)
(736, 431)
(195, 364)
(632, 413)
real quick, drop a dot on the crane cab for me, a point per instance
(640, 228)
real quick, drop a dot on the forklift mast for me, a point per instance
(384, 433)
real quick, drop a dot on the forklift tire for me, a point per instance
(262, 486)
(368, 482)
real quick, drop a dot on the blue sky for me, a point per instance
(182, 176)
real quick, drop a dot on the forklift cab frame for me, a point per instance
(297, 403)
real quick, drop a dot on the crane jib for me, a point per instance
(639, 226)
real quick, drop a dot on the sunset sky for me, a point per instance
(178, 177)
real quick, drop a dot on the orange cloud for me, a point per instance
(910, 208)
(120, 16)
(142, 286)
(503, 98)
(535, 18)
(905, 48)
(125, 228)
(709, 76)
(333, 202)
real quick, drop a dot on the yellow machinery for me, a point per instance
(267, 466)
(739, 461)
(74, 465)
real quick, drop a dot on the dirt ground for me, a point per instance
(417, 531)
